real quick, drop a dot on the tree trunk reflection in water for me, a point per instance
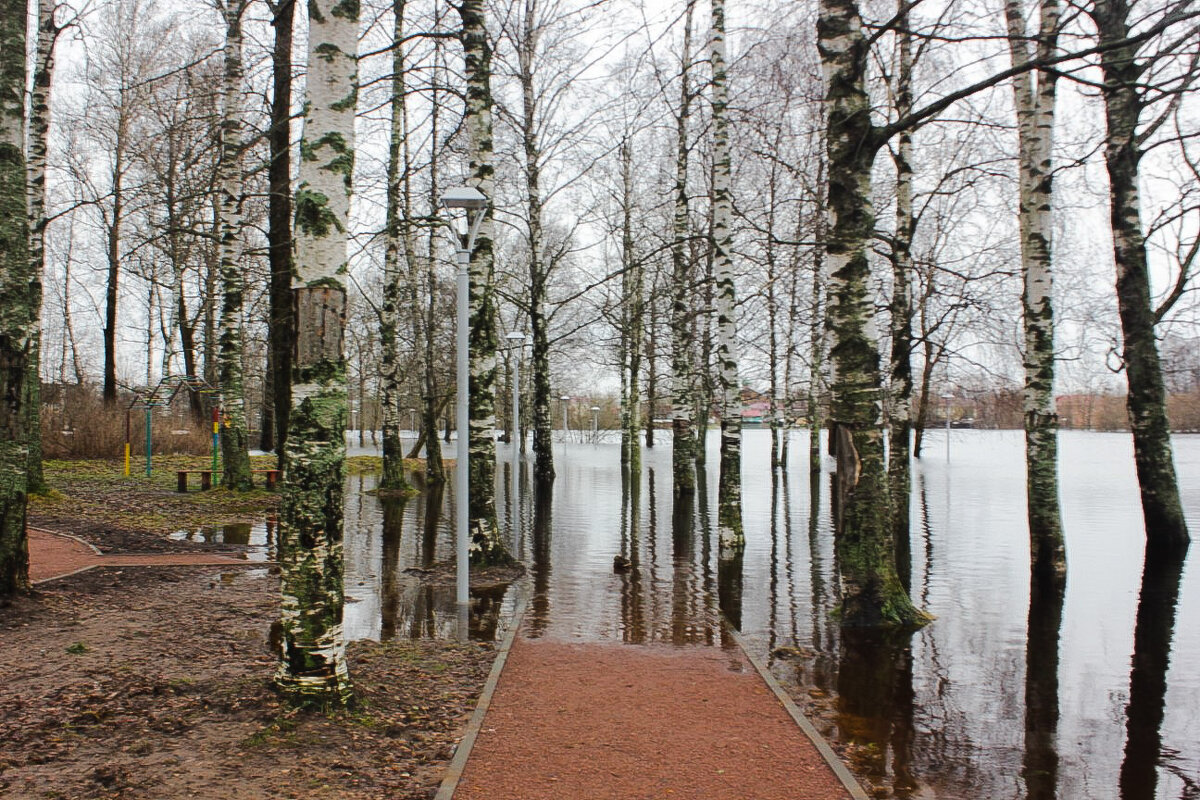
(773, 588)
(730, 574)
(633, 621)
(434, 493)
(1040, 767)
(683, 513)
(539, 609)
(875, 704)
(393, 523)
(1161, 576)
(705, 613)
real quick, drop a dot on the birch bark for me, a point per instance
(486, 545)
(431, 403)
(872, 594)
(729, 496)
(901, 383)
(538, 262)
(1124, 73)
(817, 323)
(235, 445)
(18, 318)
(1035, 140)
(633, 304)
(39, 141)
(683, 455)
(313, 669)
(279, 231)
(393, 275)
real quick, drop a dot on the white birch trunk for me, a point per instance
(313, 667)
(729, 500)
(18, 317)
(1035, 140)
(683, 376)
(234, 437)
(486, 545)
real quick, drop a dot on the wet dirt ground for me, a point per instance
(154, 682)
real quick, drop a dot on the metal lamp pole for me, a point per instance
(595, 422)
(474, 203)
(566, 429)
(517, 342)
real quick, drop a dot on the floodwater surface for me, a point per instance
(1008, 693)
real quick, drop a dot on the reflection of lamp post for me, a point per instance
(947, 397)
(473, 202)
(595, 421)
(516, 341)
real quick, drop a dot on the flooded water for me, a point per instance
(1006, 694)
(257, 537)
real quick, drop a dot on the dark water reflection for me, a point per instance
(1011, 693)
(389, 544)
(257, 537)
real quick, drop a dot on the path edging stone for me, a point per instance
(844, 776)
(462, 752)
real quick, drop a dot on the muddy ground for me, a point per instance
(155, 682)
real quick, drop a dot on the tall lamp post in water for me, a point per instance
(474, 204)
(516, 341)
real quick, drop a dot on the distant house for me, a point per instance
(756, 413)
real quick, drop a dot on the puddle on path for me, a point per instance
(257, 537)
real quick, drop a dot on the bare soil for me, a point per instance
(155, 681)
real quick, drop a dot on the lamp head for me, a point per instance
(515, 338)
(467, 197)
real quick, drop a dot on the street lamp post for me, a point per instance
(595, 422)
(474, 204)
(516, 341)
(566, 426)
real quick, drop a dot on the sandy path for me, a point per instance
(52, 555)
(614, 721)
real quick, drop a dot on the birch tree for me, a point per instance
(529, 125)
(486, 545)
(683, 454)
(729, 500)
(1034, 93)
(18, 316)
(235, 452)
(280, 324)
(313, 669)
(633, 312)
(39, 141)
(399, 238)
(901, 310)
(1127, 95)
(871, 590)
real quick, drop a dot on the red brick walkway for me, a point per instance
(623, 722)
(53, 555)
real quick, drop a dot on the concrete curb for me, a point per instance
(114, 560)
(88, 545)
(463, 752)
(831, 758)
